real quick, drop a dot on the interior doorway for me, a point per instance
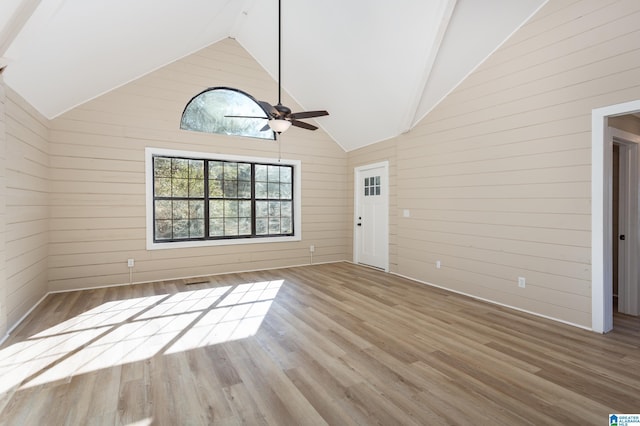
(626, 221)
(602, 237)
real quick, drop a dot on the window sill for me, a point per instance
(212, 243)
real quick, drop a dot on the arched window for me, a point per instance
(210, 111)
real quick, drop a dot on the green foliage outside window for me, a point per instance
(196, 199)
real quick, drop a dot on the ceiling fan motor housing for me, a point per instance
(283, 110)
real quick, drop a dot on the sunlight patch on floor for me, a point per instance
(132, 330)
(238, 315)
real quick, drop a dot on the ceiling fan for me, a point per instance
(280, 116)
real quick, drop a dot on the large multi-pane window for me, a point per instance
(208, 199)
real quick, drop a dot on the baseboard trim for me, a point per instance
(191, 277)
(22, 318)
(493, 302)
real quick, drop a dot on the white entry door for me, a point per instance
(371, 227)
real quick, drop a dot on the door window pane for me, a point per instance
(372, 186)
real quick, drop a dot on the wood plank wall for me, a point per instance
(3, 211)
(27, 206)
(98, 182)
(497, 177)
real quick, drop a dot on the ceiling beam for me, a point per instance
(14, 25)
(430, 60)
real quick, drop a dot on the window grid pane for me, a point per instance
(274, 212)
(178, 198)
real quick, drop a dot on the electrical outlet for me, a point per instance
(130, 263)
(438, 264)
(522, 282)
(312, 248)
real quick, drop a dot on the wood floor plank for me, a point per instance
(320, 396)
(323, 344)
(269, 389)
(246, 411)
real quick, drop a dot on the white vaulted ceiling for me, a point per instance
(377, 66)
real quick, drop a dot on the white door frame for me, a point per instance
(356, 208)
(601, 223)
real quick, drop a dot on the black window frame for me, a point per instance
(207, 198)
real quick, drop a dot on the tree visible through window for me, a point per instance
(209, 112)
(200, 199)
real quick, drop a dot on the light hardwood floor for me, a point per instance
(326, 344)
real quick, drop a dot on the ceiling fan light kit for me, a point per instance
(279, 125)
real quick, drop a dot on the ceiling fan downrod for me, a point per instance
(280, 117)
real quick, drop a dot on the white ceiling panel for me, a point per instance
(376, 66)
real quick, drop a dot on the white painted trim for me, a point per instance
(601, 141)
(356, 205)
(22, 318)
(192, 277)
(623, 218)
(297, 203)
(444, 13)
(628, 302)
(472, 70)
(21, 14)
(493, 302)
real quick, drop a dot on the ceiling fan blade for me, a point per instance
(303, 125)
(266, 127)
(245, 116)
(308, 114)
